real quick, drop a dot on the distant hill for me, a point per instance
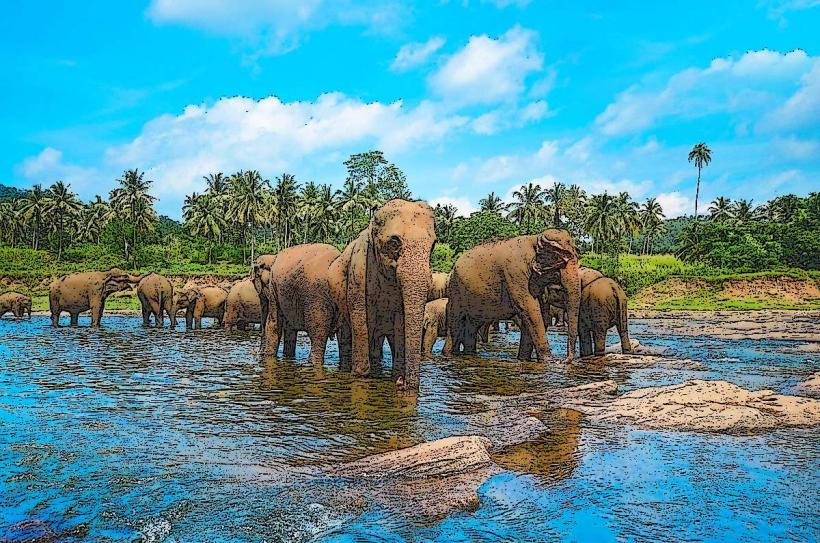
(9, 192)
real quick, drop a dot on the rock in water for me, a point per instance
(810, 387)
(703, 406)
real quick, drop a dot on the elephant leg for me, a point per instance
(318, 333)
(96, 315)
(289, 350)
(470, 337)
(146, 315)
(55, 318)
(623, 332)
(198, 322)
(585, 339)
(484, 333)
(172, 314)
(599, 337)
(525, 346)
(376, 352)
(156, 309)
(345, 343)
(397, 347)
(271, 328)
(533, 324)
(74, 318)
(428, 338)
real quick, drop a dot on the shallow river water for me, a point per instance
(134, 434)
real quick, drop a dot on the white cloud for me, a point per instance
(675, 204)
(462, 204)
(487, 70)
(534, 111)
(782, 89)
(48, 166)
(274, 26)
(581, 149)
(415, 54)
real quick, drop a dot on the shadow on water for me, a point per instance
(129, 433)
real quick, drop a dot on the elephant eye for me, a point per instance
(392, 247)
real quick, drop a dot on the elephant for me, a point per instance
(260, 275)
(302, 299)
(80, 292)
(435, 325)
(556, 316)
(438, 288)
(242, 306)
(603, 305)
(156, 295)
(505, 278)
(201, 301)
(16, 303)
(381, 281)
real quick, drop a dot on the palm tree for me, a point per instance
(445, 217)
(651, 217)
(602, 220)
(9, 222)
(203, 218)
(93, 219)
(352, 199)
(62, 206)
(627, 212)
(131, 201)
(492, 202)
(245, 205)
(701, 155)
(556, 195)
(742, 210)
(32, 208)
(327, 213)
(286, 200)
(217, 184)
(306, 205)
(721, 209)
(528, 205)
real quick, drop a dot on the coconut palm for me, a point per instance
(602, 220)
(628, 218)
(286, 200)
(327, 207)
(306, 205)
(203, 218)
(9, 222)
(721, 209)
(742, 210)
(93, 219)
(352, 200)
(62, 207)
(445, 216)
(528, 206)
(131, 202)
(32, 209)
(492, 202)
(651, 217)
(701, 155)
(555, 196)
(246, 205)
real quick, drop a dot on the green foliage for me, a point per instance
(443, 258)
(635, 272)
(478, 227)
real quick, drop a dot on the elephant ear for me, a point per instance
(553, 250)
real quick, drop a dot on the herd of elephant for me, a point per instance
(380, 287)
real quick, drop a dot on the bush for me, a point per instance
(480, 226)
(443, 258)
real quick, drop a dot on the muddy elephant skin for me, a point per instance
(554, 300)
(502, 279)
(260, 276)
(382, 279)
(80, 292)
(201, 301)
(303, 301)
(435, 325)
(156, 295)
(17, 304)
(438, 287)
(603, 305)
(242, 306)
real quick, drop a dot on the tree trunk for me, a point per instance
(697, 193)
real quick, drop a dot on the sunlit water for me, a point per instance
(129, 434)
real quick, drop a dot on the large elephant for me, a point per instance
(242, 306)
(201, 301)
(435, 325)
(438, 287)
(302, 299)
(260, 275)
(502, 279)
(156, 295)
(603, 305)
(382, 279)
(16, 303)
(80, 292)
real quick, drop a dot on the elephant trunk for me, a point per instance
(571, 281)
(414, 278)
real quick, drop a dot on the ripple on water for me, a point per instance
(129, 433)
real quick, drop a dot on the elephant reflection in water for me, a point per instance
(554, 456)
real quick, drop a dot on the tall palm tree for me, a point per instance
(32, 209)
(651, 217)
(528, 206)
(445, 217)
(286, 199)
(628, 218)
(62, 206)
(132, 202)
(217, 184)
(327, 213)
(492, 202)
(721, 209)
(203, 218)
(701, 155)
(743, 210)
(246, 203)
(9, 220)
(556, 196)
(93, 219)
(602, 220)
(352, 200)
(306, 205)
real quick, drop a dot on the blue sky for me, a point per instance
(467, 97)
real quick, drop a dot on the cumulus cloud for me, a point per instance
(781, 88)
(675, 204)
(274, 26)
(462, 204)
(49, 166)
(489, 70)
(415, 54)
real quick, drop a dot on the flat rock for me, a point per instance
(763, 324)
(702, 406)
(810, 387)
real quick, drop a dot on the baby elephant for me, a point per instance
(156, 294)
(435, 325)
(201, 301)
(603, 305)
(242, 306)
(16, 303)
